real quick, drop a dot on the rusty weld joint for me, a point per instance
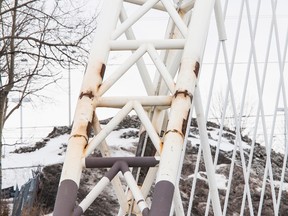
(141, 200)
(79, 135)
(87, 94)
(174, 131)
(186, 93)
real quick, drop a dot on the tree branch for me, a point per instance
(15, 7)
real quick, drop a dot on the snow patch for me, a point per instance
(17, 167)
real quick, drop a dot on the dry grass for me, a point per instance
(34, 211)
(4, 208)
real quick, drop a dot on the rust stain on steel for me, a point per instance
(89, 126)
(102, 71)
(197, 67)
(87, 94)
(185, 93)
(174, 131)
(161, 146)
(88, 129)
(184, 123)
(161, 133)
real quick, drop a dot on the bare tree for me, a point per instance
(37, 37)
(219, 110)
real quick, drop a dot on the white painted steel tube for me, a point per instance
(220, 21)
(148, 126)
(106, 25)
(109, 127)
(178, 204)
(161, 68)
(210, 170)
(145, 101)
(135, 191)
(116, 182)
(121, 70)
(133, 18)
(180, 107)
(149, 180)
(84, 108)
(94, 193)
(186, 81)
(157, 44)
(175, 16)
(140, 63)
(72, 168)
(157, 6)
(187, 5)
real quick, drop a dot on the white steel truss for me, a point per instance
(175, 94)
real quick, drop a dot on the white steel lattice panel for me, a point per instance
(231, 87)
(247, 76)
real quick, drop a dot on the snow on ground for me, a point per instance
(283, 185)
(119, 146)
(224, 144)
(17, 167)
(221, 180)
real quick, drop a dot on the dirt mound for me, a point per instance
(106, 203)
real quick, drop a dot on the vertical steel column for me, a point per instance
(72, 168)
(180, 108)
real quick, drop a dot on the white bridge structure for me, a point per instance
(231, 52)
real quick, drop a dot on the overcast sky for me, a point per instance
(153, 25)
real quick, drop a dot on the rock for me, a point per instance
(128, 122)
(57, 131)
(130, 134)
